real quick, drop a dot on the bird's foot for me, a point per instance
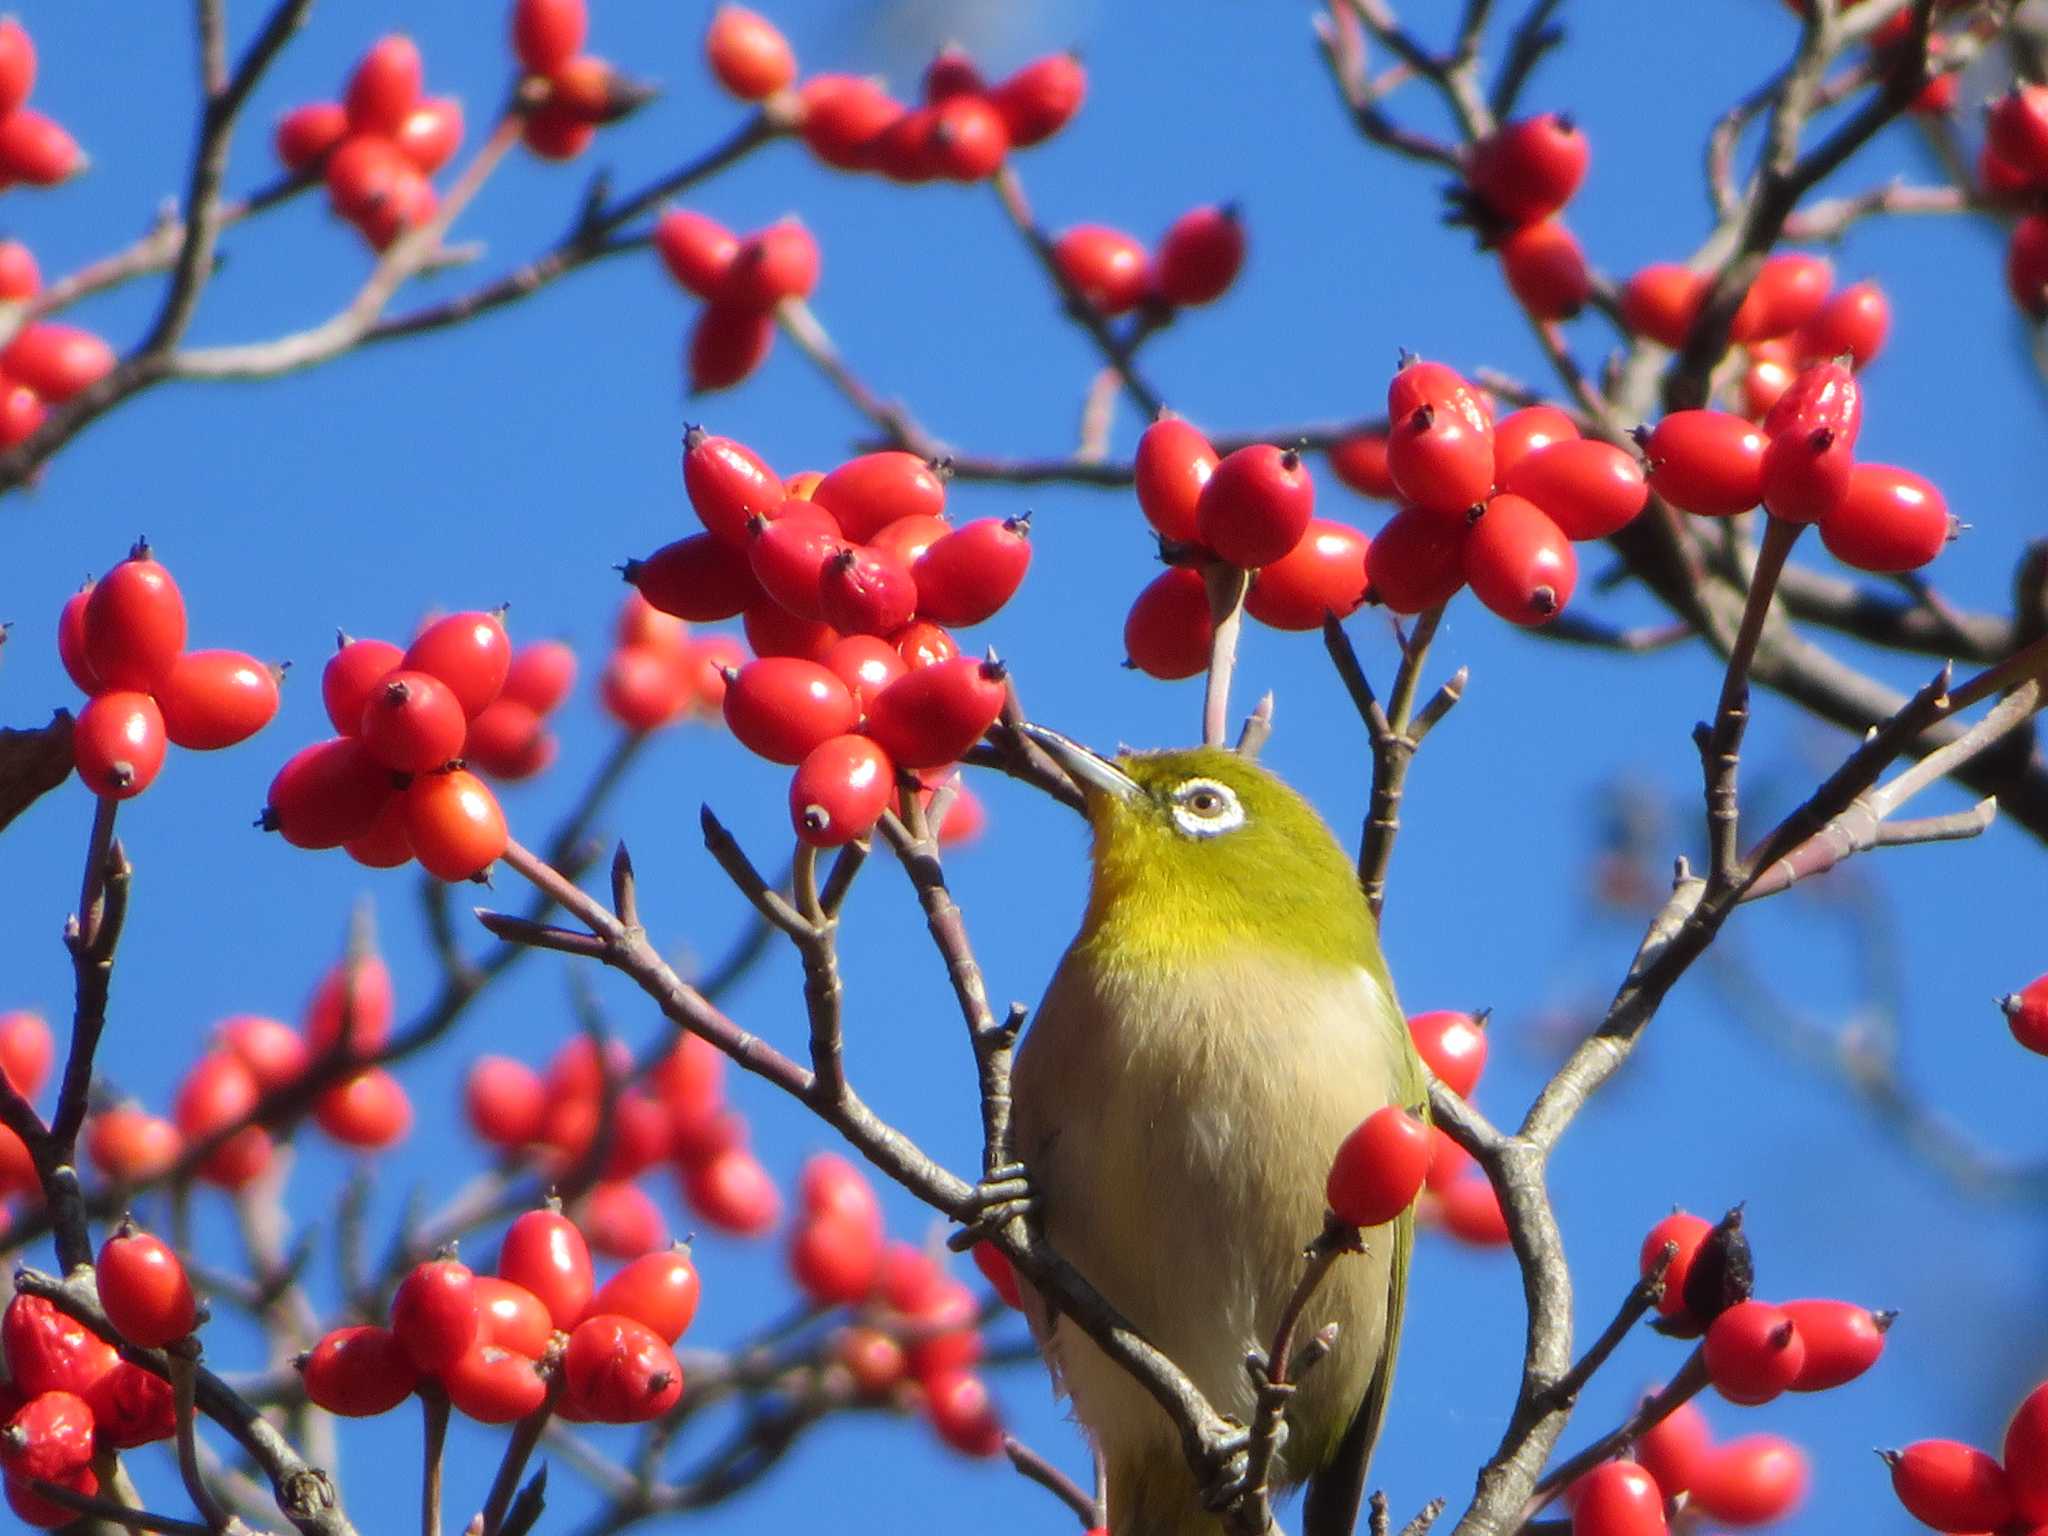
(1006, 1192)
(1226, 1477)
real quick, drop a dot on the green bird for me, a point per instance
(1221, 1022)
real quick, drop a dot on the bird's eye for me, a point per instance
(1204, 808)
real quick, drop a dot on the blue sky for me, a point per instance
(516, 460)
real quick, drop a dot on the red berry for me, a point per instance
(923, 644)
(727, 345)
(1890, 520)
(118, 743)
(618, 1371)
(1824, 396)
(1590, 489)
(1256, 505)
(2016, 129)
(2026, 1014)
(545, 1254)
(34, 1509)
(71, 641)
(659, 1291)
(1751, 1480)
(1546, 270)
(1519, 563)
(728, 483)
(783, 707)
(731, 1191)
(748, 54)
(1041, 98)
(363, 172)
(493, 1384)
(1168, 632)
(131, 1407)
(129, 1146)
(546, 34)
(434, 1313)
(1707, 462)
(17, 68)
(866, 494)
(214, 699)
(2026, 265)
(413, 722)
(840, 790)
(385, 87)
(1753, 1352)
(455, 824)
(1806, 474)
(1951, 1486)
(511, 1317)
(1617, 1498)
(1842, 1342)
(57, 361)
(1200, 255)
(1471, 1210)
(1854, 321)
(1417, 561)
(26, 1051)
(1687, 1233)
(1360, 461)
(866, 664)
(835, 1258)
(1662, 301)
(908, 150)
(1378, 1169)
(1529, 169)
(697, 250)
(134, 624)
(386, 844)
(1322, 575)
(1108, 269)
(49, 1437)
(467, 651)
(306, 135)
(358, 1372)
(36, 149)
(1174, 462)
(1788, 292)
(508, 741)
(700, 578)
(961, 1410)
(1418, 382)
(271, 1049)
(968, 138)
(1676, 1448)
(217, 1093)
(1453, 1045)
(780, 262)
(966, 576)
(50, 1351)
(909, 537)
(772, 630)
(21, 413)
(541, 676)
(622, 1221)
(144, 1289)
(351, 674)
(842, 116)
(354, 997)
(932, 715)
(1439, 461)
(866, 590)
(368, 1110)
(326, 795)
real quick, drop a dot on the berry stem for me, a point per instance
(1227, 586)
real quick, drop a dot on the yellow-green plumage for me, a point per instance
(1222, 1021)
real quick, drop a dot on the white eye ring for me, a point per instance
(1219, 811)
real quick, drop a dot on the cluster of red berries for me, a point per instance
(378, 145)
(1791, 315)
(33, 148)
(846, 582)
(659, 672)
(1518, 181)
(963, 131)
(1799, 464)
(510, 738)
(252, 1055)
(2014, 170)
(391, 787)
(673, 1114)
(918, 1339)
(122, 640)
(567, 94)
(1748, 1481)
(492, 1342)
(2026, 1015)
(69, 1396)
(1458, 1195)
(741, 280)
(44, 364)
(1197, 260)
(1957, 1487)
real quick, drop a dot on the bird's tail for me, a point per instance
(1156, 1496)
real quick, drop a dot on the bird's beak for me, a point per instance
(1089, 769)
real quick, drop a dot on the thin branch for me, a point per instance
(1054, 1481)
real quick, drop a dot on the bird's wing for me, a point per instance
(1334, 1493)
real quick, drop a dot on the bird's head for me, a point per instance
(1202, 849)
